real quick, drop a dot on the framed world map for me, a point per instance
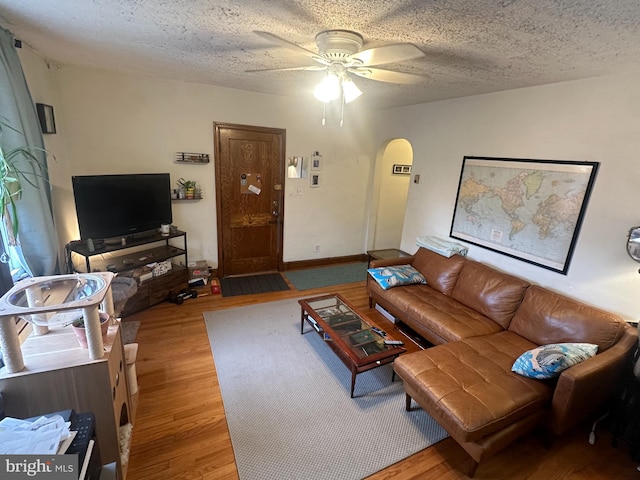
(527, 209)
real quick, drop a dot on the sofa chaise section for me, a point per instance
(469, 388)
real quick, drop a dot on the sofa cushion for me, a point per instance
(489, 291)
(549, 361)
(468, 386)
(396, 275)
(439, 271)
(548, 317)
(436, 317)
(449, 319)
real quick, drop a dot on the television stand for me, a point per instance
(131, 259)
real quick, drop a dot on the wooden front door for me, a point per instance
(250, 169)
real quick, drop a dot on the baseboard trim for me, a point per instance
(324, 261)
(319, 262)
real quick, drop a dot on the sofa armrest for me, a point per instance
(584, 388)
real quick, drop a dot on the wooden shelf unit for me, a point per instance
(125, 257)
(59, 375)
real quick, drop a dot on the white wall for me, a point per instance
(112, 122)
(591, 120)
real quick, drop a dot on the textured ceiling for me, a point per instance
(471, 46)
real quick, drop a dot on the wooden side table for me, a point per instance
(386, 254)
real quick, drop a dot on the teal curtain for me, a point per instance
(37, 235)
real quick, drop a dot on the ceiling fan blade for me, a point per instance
(389, 76)
(285, 43)
(397, 52)
(309, 68)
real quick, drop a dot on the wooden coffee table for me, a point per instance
(348, 334)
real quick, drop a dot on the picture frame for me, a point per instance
(314, 180)
(46, 118)
(399, 169)
(316, 163)
(527, 209)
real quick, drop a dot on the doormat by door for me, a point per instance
(262, 283)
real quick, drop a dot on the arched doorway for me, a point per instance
(391, 181)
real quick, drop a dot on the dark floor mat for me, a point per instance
(263, 283)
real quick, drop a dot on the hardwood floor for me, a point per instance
(180, 430)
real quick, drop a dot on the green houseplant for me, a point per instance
(12, 174)
(81, 333)
(189, 187)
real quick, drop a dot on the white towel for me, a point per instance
(441, 246)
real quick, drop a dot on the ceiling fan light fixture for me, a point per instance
(328, 89)
(350, 90)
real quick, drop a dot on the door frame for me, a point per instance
(219, 220)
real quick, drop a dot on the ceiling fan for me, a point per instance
(340, 54)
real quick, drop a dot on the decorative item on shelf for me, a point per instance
(185, 157)
(81, 333)
(188, 189)
(160, 268)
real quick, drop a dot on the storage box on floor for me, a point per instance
(198, 273)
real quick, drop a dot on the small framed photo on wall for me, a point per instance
(46, 118)
(401, 169)
(314, 180)
(316, 162)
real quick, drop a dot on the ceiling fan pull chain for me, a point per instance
(342, 110)
(324, 114)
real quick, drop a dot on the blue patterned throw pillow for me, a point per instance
(548, 361)
(396, 275)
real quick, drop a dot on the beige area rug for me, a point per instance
(286, 399)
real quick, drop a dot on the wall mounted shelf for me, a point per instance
(186, 199)
(193, 158)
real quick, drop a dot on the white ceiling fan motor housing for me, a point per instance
(338, 45)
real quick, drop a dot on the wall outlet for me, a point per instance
(317, 247)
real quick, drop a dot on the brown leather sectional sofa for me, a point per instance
(480, 321)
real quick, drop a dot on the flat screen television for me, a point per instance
(110, 206)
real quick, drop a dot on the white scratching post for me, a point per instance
(10, 345)
(130, 355)
(94, 334)
(107, 306)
